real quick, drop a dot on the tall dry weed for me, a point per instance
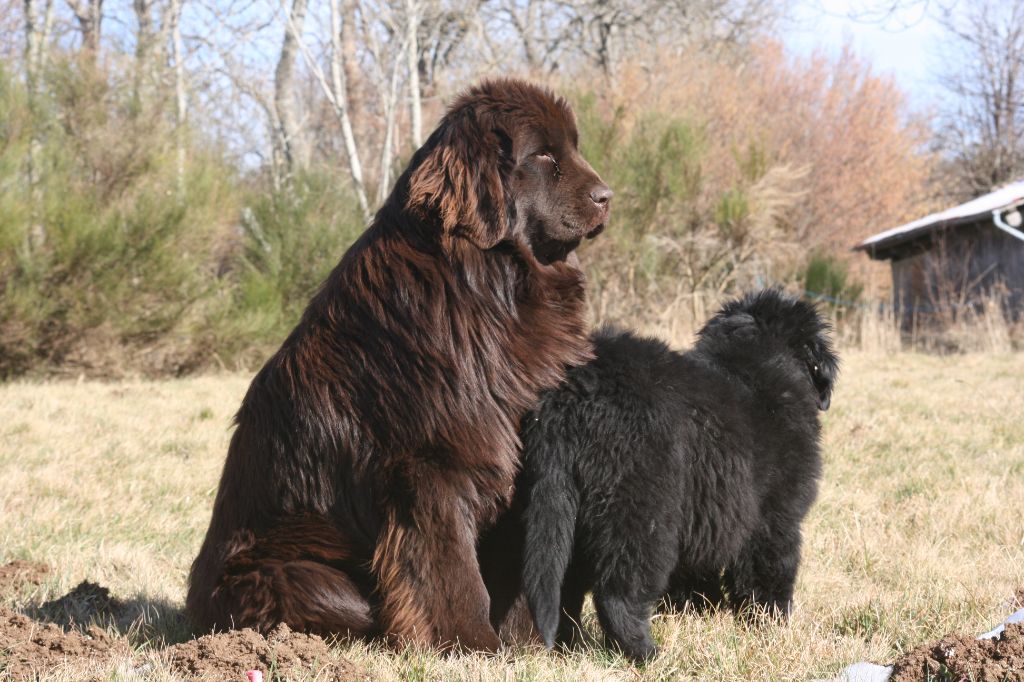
(773, 159)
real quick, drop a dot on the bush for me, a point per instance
(288, 243)
(726, 173)
(826, 279)
(680, 227)
(102, 251)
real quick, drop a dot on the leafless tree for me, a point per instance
(89, 16)
(339, 98)
(413, 12)
(553, 34)
(388, 55)
(180, 101)
(290, 150)
(982, 128)
(444, 28)
(38, 27)
(536, 30)
(146, 45)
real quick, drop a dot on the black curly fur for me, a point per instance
(651, 473)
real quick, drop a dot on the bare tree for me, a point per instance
(12, 26)
(982, 130)
(180, 101)
(540, 27)
(388, 53)
(146, 43)
(38, 27)
(89, 15)
(339, 99)
(444, 27)
(553, 34)
(413, 12)
(289, 145)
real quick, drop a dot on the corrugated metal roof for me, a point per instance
(968, 212)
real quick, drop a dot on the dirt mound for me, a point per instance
(86, 602)
(28, 647)
(67, 630)
(228, 655)
(16, 574)
(966, 658)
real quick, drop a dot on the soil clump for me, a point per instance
(29, 648)
(964, 657)
(282, 653)
(16, 574)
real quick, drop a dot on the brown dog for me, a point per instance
(380, 440)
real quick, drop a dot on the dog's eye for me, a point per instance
(547, 156)
(814, 369)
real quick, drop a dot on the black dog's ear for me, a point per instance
(735, 321)
(728, 326)
(739, 326)
(463, 178)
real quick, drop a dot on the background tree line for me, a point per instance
(177, 176)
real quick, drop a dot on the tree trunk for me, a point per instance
(349, 54)
(181, 103)
(144, 40)
(89, 15)
(341, 102)
(412, 22)
(387, 149)
(37, 40)
(288, 135)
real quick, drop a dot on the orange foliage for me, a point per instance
(848, 129)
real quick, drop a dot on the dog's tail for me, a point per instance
(550, 520)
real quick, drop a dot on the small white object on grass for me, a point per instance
(866, 672)
(254, 675)
(1015, 617)
(863, 672)
(870, 672)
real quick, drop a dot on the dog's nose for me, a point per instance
(601, 194)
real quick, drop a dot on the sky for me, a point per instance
(904, 44)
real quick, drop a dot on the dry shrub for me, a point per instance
(848, 128)
(786, 156)
(985, 324)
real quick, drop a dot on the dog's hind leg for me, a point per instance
(765, 572)
(702, 591)
(624, 596)
(627, 623)
(306, 595)
(302, 572)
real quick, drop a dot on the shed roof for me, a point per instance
(972, 211)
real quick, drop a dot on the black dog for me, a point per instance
(651, 473)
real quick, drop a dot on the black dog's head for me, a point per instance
(504, 165)
(759, 324)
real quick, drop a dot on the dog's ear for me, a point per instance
(463, 179)
(739, 325)
(729, 326)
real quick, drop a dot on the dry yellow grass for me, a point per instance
(917, 531)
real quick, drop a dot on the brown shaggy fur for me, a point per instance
(377, 444)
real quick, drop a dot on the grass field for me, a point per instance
(917, 532)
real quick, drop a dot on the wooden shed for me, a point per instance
(958, 259)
